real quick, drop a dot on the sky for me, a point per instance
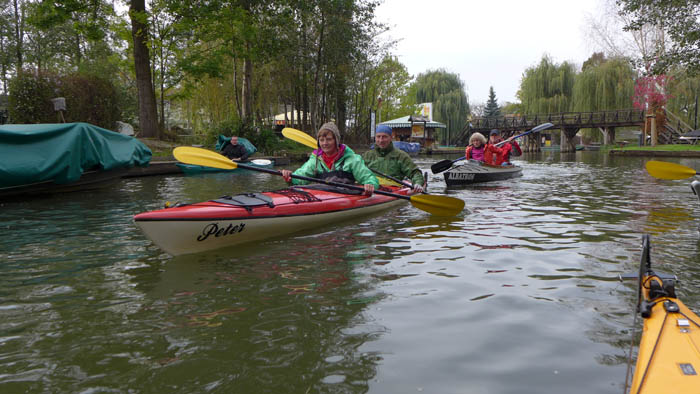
(487, 42)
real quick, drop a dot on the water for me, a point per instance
(516, 295)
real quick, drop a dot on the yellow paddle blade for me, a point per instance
(300, 137)
(202, 157)
(438, 205)
(665, 170)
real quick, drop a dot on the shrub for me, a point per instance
(89, 98)
(30, 97)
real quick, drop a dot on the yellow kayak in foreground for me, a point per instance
(668, 360)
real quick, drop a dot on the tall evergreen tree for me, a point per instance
(492, 108)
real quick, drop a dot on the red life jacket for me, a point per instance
(493, 155)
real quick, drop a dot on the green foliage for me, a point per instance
(595, 60)
(89, 98)
(446, 91)
(684, 97)
(547, 87)
(492, 108)
(264, 139)
(30, 97)
(679, 20)
(392, 80)
(604, 85)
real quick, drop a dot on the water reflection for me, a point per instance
(516, 292)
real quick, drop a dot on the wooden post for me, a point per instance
(654, 134)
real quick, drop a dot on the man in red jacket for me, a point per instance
(510, 147)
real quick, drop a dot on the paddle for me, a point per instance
(436, 205)
(397, 180)
(443, 165)
(305, 139)
(666, 170)
(300, 137)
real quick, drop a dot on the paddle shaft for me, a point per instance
(397, 180)
(337, 184)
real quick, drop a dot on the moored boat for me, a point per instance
(668, 359)
(193, 169)
(50, 158)
(232, 220)
(474, 171)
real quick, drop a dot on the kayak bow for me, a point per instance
(668, 359)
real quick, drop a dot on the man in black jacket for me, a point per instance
(234, 151)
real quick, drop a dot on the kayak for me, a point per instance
(232, 220)
(474, 171)
(668, 359)
(193, 169)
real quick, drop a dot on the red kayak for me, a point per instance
(231, 220)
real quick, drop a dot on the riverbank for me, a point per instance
(681, 150)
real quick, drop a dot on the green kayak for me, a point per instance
(191, 169)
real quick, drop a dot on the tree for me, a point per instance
(606, 31)
(547, 87)
(678, 20)
(603, 85)
(148, 116)
(492, 109)
(446, 91)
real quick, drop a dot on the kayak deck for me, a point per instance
(223, 222)
(668, 360)
(474, 171)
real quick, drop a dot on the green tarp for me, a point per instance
(61, 152)
(222, 141)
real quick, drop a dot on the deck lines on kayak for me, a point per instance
(668, 356)
(653, 352)
(248, 217)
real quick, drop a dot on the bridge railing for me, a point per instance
(562, 119)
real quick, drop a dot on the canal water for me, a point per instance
(518, 294)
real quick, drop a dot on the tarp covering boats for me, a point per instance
(60, 153)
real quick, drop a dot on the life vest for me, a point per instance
(475, 153)
(338, 176)
(493, 155)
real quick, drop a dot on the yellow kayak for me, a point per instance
(668, 360)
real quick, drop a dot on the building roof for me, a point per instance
(404, 122)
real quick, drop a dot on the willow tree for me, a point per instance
(685, 94)
(547, 87)
(603, 85)
(446, 91)
(608, 85)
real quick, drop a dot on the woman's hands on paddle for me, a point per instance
(417, 188)
(287, 175)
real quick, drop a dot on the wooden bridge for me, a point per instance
(670, 129)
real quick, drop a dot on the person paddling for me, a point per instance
(396, 163)
(503, 153)
(335, 162)
(475, 150)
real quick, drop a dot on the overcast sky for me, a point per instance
(487, 42)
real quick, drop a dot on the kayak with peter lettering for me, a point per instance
(232, 220)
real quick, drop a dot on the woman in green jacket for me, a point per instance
(335, 162)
